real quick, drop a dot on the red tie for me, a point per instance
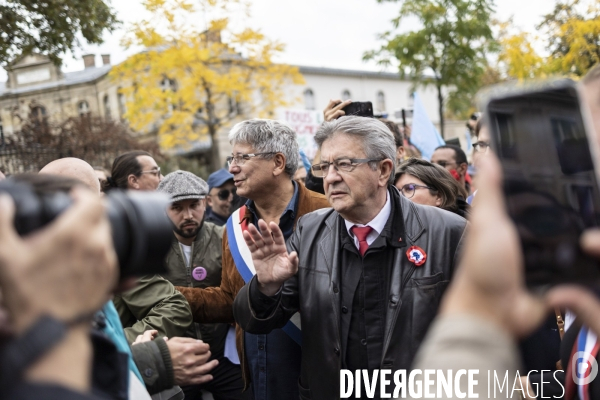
(361, 232)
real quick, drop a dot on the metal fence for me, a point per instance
(19, 159)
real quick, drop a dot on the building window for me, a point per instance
(122, 105)
(235, 106)
(106, 102)
(346, 95)
(39, 116)
(380, 101)
(83, 108)
(38, 112)
(309, 99)
(168, 84)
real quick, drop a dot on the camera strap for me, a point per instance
(19, 353)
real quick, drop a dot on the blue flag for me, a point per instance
(424, 135)
(468, 135)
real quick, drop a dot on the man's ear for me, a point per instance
(279, 161)
(387, 168)
(400, 154)
(438, 200)
(132, 182)
(462, 169)
(208, 201)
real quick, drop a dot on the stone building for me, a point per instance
(36, 87)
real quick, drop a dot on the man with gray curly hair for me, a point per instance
(366, 276)
(263, 162)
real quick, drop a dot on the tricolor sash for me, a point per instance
(236, 225)
(581, 364)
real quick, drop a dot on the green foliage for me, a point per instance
(448, 51)
(51, 27)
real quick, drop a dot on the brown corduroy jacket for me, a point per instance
(215, 304)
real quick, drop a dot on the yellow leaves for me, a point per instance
(582, 37)
(570, 37)
(574, 46)
(218, 25)
(189, 83)
(519, 57)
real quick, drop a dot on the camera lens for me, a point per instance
(141, 230)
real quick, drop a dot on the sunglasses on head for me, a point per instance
(223, 194)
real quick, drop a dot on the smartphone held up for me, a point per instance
(550, 163)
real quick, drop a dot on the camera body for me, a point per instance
(141, 230)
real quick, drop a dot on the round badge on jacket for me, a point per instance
(199, 273)
(416, 255)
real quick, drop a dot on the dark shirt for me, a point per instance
(286, 221)
(215, 218)
(275, 372)
(365, 287)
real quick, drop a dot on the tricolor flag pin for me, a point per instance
(416, 255)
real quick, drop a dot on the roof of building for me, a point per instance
(68, 79)
(93, 73)
(348, 72)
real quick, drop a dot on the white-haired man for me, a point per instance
(366, 276)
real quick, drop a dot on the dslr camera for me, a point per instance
(141, 229)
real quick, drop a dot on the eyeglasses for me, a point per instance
(409, 189)
(223, 194)
(481, 147)
(155, 172)
(443, 163)
(240, 159)
(343, 164)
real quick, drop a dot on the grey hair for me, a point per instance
(267, 135)
(377, 139)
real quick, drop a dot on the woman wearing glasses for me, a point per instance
(429, 184)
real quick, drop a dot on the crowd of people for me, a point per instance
(282, 272)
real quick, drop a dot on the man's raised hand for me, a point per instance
(334, 109)
(271, 260)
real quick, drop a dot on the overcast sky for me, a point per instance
(327, 33)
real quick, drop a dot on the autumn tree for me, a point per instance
(51, 27)
(518, 58)
(573, 30)
(191, 82)
(447, 52)
(569, 35)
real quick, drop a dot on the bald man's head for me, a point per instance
(74, 168)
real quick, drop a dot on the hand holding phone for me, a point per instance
(338, 108)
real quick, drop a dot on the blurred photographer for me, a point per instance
(52, 282)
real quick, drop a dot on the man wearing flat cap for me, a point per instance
(221, 192)
(195, 261)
